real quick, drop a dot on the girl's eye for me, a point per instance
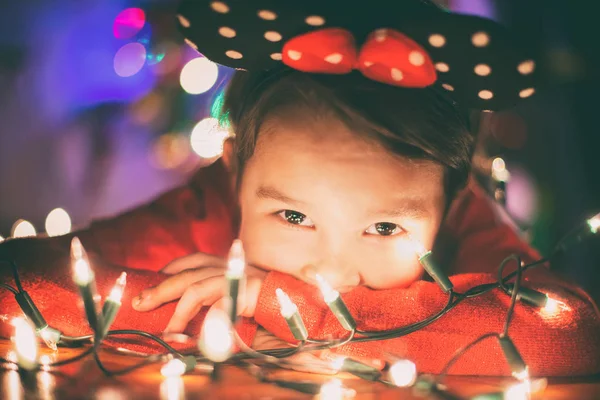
(383, 229)
(295, 218)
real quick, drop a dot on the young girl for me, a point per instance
(338, 172)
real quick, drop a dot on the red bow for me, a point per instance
(387, 56)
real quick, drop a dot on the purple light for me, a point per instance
(128, 23)
(482, 8)
(130, 59)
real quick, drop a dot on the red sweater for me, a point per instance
(202, 217)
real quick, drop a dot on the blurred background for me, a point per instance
(103, 107)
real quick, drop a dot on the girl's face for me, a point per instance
(316, 197)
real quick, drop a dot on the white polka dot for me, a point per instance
(276, 56)
(183, 21)
(416, 58)
(334, 58)
(226, 32)
(442, 67)
(380, 35)
(191, 44)
(480, 39)
(272, 36)
(219, 7)
(448, 87)
(397, 75)
(482, 69)
(486, 94)
(368, 63)
(526, 67)
(437, 40)
(294, 55)
(267, 15)
(236, 55)
(315, 20)
(526, 92)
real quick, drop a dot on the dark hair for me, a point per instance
(419, 124)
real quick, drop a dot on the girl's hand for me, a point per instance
(198, 280)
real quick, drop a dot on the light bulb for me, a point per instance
(594, 223)
(1, 239)
(288, 308)
(329, 294)
(117, 291)
(58, 222)
(403, 373)
(26, 345)
(338, 363)
(332, 390)
(216, 338)
(50, 336)
(499, 171)
(23, 228)
(83, 274)
(172, 388)
(174, 367)
(236, 262)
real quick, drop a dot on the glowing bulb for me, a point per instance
(207, 138)
(1, 239)
(83, 274)
(329, 294)
(522, 375)
(26, 344)
(198, 75)
(288, 308)
(594, 223)
(117, 291)
(172, 388)
(58, 222)
(403, 373)
(338, 363)
(23, 228)
(174, 367)
(50, 336)
(333, 390)
(519, 391)
(77, 250)
(499, 171)
(216, 338)
(236, 262)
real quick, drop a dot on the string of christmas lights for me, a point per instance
(218, 337)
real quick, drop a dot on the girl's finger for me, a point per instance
(194, 298)
(197, 260)
(172, 288)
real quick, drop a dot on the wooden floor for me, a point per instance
(83, 380)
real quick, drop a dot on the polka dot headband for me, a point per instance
(407, 43)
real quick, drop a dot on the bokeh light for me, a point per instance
(522, 197)
(128, 23)
(156, 53)
(129, 59)
(23, 228)
(170, 151)
(58, 222)
(207, 138)
(150, 109)
(172, 58)
(198, 75)
(1, 239)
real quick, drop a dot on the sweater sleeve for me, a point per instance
(566, 343)
(196, 217)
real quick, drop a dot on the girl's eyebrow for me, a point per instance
(269, 192)
(410, 207)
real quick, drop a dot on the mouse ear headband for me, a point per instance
(407, 43)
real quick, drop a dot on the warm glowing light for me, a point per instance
(594, 223)
(129, 59)
(172, 388)
(46, 385)
(1, 239)
(23, 228)
(12, 387)
(236, 262)
(288, 308)
(50, 336)
(207, 138)
(58, 222)
(170, 151)
(198, 75)
(174, 367)
(522, 375)
(524, 390)
(418, 247)
(329, 294)
(499, 171)
(333, 390)
(553, 307)
(117, 291)
(338, 363)
(77, 250)
(26, 345)
(403, 373)
(216, 338)
(82, 272)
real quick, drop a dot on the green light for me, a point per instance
(216, 110)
